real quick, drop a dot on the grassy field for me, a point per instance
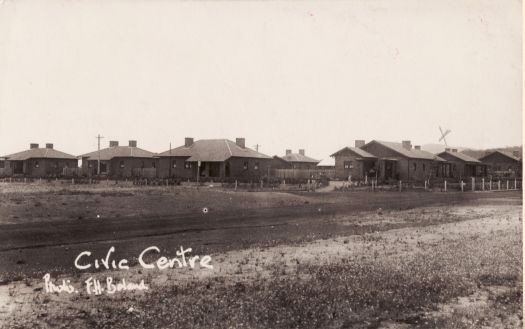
(281, 260)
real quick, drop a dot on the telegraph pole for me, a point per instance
(257, 147)
(98, 161)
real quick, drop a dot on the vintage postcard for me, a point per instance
(261, 164)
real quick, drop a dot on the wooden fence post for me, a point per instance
(445, 185)
(235, 185)
(499, 185)
(461, 186)
(400, 186)
(473, 184)
(515, 186)
(483, 184)
(490, 185)
(507, 184)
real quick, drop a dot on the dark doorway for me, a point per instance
(214, 169)
(18, 167)
(227, 169)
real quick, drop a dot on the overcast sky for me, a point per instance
(312, 75)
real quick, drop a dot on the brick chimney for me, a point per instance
(359, 143)
(288, 152)
(417, 147)
(301, 151)
(33, 145)
(132, 144)
(407, 145)
(447, 149)
(113, 143)
(240, 142)
(49, 146)
(188, 141)
(455, 150)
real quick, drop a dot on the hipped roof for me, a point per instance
(411, 154)
(213, 150)
(297, 157)
(461, 156)
(118, 152)
(39, 153)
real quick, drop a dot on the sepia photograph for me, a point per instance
(189, 164)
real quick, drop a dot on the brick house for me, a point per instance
(120, 161)
(354, 162)
(37, 162)
(299, 160)
(219, 159)
(461, 166)
(401, 161)
(502, 164)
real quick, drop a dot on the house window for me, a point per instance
(142, 165)
(256, 166)
(153, 164)
(2, 164)
(187, 165)
(37, 164)
(348, 165)
(424, 167)
(56, 165)
(121, 164)
(174, 164)
(90, 165)
(414, 166)
(245, 166)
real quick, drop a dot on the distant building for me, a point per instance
(326, 164)
(299, 160)
(500, 163)
(120, 161)
(354, 162)
(401, 161)
(214, 158)
(37, 162)
(461, 166)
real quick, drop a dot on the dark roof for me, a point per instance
(412, 153)
(356, 150)
(213, 150)
(297, 157)
(39, 153)
(461, 156)
(119, 152)
(507, 154)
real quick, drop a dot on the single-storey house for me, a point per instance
(461, 166)
(401, 161)
(120, 161)
(354, 163)
(501, 163)
(37, 162)
(220, 159)
(299, 160)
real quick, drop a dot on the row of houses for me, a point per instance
(402, 161)
(224, 159)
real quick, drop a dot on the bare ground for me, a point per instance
(433, 266)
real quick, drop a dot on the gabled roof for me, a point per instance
(357, 151)
(213, 150)
(39, 153)
(118, 152)
(507, 154)
(297, 157)
(411, 154)
(460, 156)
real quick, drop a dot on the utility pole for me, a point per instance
(98, 162)
(257, 147)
